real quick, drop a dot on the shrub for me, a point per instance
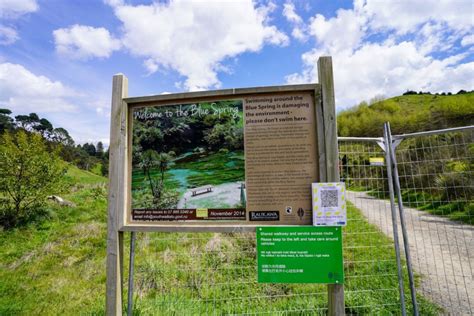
(29, 172)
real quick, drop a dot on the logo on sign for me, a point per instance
(264, 216)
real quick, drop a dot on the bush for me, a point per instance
(29, 172)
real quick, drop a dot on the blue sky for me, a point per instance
(57, 57)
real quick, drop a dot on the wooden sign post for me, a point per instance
(271, 144)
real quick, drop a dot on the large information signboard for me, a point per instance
(221, 161)
(246, 158)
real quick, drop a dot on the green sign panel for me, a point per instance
(300, 254)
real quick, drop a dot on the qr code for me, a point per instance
(329, 198)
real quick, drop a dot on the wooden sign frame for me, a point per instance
(119, 198)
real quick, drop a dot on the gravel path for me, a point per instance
(442, 252)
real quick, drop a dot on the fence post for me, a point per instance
(116, 198)
(325, 77)
(130, 274)
(388, 159)
(401, 210)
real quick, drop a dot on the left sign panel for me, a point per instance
(188, 162)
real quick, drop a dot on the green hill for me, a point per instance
(83, 177)
(407, 114)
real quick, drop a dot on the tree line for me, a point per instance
(85, 156)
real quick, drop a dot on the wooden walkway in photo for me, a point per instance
(201, 190)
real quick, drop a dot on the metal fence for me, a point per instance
(436, 187)
(216, 274)
(436, 174)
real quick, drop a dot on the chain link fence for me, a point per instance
(216, 273)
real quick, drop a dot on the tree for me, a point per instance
(44, 127)
(89, 148)
(6, 122)
(29, 172)
(61, 136)
(150, 160)
(164, 159)
(99, 150)
(27, 122)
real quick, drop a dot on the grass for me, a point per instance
(83, 177)
(97, 169)
(58, 267)
(459, 211)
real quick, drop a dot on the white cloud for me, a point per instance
(467, 40)
(299, 29)
(343, 32)
(290, 14)
(195, 38)
(24, 92)
(8, 35)
(386, 48)
(405, 15)
(378, 69)
(83, 42)
(15, 8)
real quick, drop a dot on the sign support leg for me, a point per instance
(117, 197)
(114, 273)
(331, 174)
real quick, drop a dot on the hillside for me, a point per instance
(79, 176)
(407, 114)
(57, 265)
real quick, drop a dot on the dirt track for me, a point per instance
(442, 252)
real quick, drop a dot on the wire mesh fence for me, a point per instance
(213, 274)
(436, 173)
(437, 188)
(363, 168)
(216, 274)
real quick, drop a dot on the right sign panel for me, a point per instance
(280, 157)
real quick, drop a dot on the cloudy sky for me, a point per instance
(57, 57)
